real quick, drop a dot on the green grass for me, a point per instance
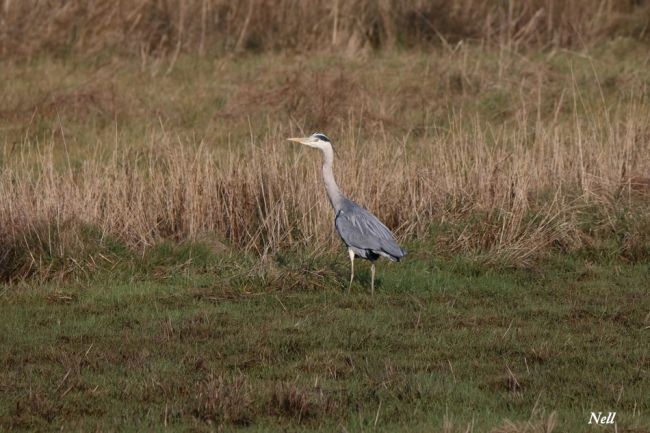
(213, 345)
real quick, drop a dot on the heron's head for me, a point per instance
(317, 140)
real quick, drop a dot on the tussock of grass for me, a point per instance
(224, 401)
(545, 425)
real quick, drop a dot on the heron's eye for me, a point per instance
(322, 137)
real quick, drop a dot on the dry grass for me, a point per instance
(544, 425)
(511, 199)
(151, 27)
(303, 403)
(477, 151)
(224, 401)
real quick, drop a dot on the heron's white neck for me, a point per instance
(333, 192)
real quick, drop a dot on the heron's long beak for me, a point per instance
(300, 140)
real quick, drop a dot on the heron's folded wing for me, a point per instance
(361, 229)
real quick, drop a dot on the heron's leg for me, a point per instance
(351, 254)
(372, 278)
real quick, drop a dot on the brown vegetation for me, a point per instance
(145, 27)
(224, 400)
(512, 199)
(480, 149)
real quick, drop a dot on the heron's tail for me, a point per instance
(392, 251)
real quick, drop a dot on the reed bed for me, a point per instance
(474, 150)
(153, 27)
(507, 196)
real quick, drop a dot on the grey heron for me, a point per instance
(365, 236)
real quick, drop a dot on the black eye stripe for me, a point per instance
(322, 137)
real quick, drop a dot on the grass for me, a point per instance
(444, 345)
(511, 156)
(148, 28)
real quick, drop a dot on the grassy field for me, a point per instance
(483, 151)
(168, 261)
(444, 345)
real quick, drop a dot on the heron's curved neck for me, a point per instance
(333, 192)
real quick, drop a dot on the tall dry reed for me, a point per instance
(146, 27)
(506, 193)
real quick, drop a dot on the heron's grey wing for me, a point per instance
(361, 229)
